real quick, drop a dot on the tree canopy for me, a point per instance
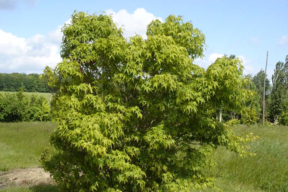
(137, 115)
(279, 94)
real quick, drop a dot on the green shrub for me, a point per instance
(283, 119)
(249, 116)
(233, 122)
(13, 107)
(17, 107)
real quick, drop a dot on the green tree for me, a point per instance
(281, 97)
(222, 113)
(251, 113)
(258, 80)
(279, 94)
(138, 115)
(283, 119)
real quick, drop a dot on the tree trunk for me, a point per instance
(220, 116)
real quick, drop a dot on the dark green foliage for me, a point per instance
(279, 94)
(258, 81)
(17, 107)
(283, 120)
(138, 115)
(251, 113)
(30, 83)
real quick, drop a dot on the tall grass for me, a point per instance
(21, 144)
(37, 188)
(267, 171)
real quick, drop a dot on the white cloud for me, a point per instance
(56, 36)
(135, 23)
(283, 40)
(214, 56)
(29, 55)
(207, 61)
(248, 68)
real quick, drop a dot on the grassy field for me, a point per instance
(22, 143)
(38, 188)
(48, 96)
(267, 171)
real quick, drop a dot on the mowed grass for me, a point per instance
(48, 96)
(21, 144)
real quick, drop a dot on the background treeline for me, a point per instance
(17, 107)
(276, 99)
(21, 107)
(30, 83)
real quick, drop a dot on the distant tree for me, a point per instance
(258, 80)
(17, 107)
(281, 97)
(14, 81)
(138, 115)
(279, 94)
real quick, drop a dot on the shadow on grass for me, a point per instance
(44, 188)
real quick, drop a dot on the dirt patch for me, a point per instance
(24, 177)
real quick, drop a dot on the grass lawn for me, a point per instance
(48, 96)
(21, 145)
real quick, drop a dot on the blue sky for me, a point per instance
(30, 30)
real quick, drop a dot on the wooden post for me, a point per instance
(264, 90)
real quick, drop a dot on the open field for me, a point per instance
(267, 171)
(21, 145)
(48, 96)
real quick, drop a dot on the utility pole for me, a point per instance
(264, 90)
